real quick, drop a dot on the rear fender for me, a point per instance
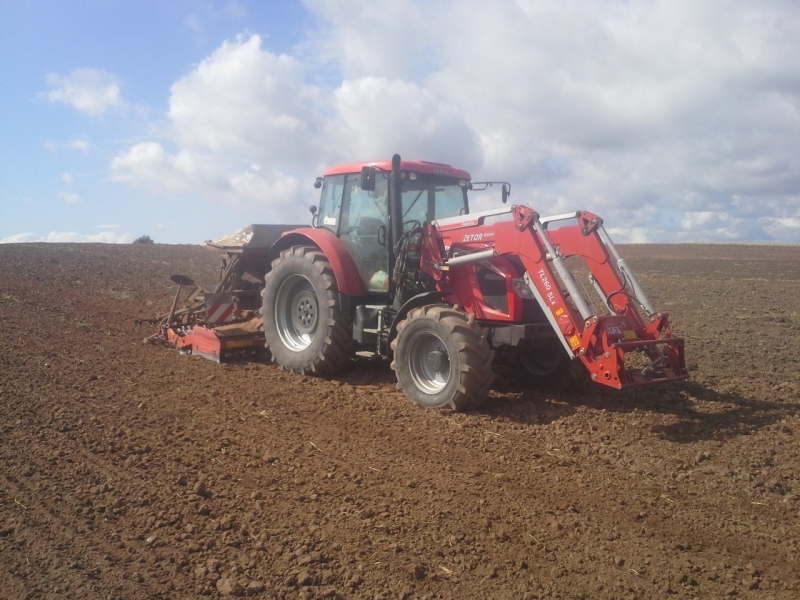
(344, 268)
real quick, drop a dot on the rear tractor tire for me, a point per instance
(442, 358)
(306, 330)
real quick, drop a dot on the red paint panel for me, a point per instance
(420, 166)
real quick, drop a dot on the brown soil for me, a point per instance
(129, 471)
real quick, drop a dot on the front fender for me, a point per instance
(410, 304)
(344, 268)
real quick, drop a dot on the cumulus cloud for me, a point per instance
(91, 91)
(676, 105)
(248, 127)
(377, 117)
(245, 100)
(363, 38)
(270, 192)
(150, 165)
(239, 109)
(675, 120)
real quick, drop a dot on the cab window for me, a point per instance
(362, 218)
(330, 205)
(429, 197)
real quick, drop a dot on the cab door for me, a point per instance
(362, 229)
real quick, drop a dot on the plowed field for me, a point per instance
(128, 471)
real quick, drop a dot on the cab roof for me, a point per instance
(420, 166)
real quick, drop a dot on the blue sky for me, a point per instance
(675, 120)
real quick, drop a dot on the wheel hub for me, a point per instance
(435, 360)
(296, 312)
(306, 313)
(429, 363)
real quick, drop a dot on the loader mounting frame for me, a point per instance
(607, 342)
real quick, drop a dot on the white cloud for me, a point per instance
(91, 91)
(788, 222)
(244, 122)
(377, 117)
(21, 238)
(69, 198)
(246, 101)
(257, 187)
(610, 107)
(147, 164)
(247, 125)
(365, 38)
(79, 145)
(269, 192)
(675, 120)
(105, 237)
(67, 178)
(635, 235)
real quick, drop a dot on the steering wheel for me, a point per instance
(366, 227)
(414, 225)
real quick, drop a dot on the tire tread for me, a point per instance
(338, 345)
(475, 355)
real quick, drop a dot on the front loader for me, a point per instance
(395, 266)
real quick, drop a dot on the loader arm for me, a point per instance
(627, 343)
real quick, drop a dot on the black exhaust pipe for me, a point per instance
(395, 218)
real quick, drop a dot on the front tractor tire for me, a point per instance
(442, 358)
(306, 330)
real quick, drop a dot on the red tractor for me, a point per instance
(395, 265)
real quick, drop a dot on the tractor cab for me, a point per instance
(357, 204)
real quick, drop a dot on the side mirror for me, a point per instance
(318, 183)
(506, 192)
(368, 178)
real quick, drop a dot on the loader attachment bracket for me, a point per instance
(620, 357)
